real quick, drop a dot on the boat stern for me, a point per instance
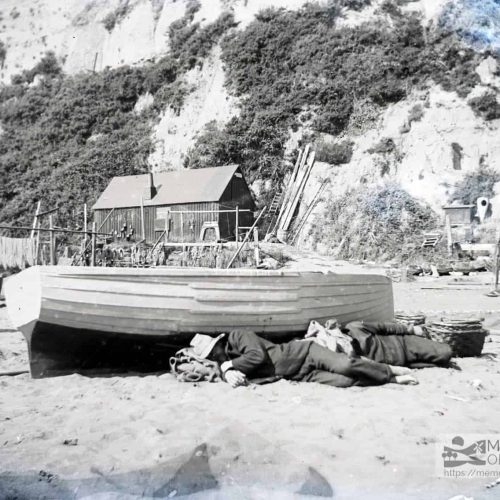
(23, 297)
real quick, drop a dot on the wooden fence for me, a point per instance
(17, 252)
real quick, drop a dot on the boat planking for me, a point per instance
(95, 318)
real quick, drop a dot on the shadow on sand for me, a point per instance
(193, 477)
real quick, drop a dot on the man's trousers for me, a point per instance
(333, 368)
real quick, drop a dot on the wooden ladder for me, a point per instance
(275, 204)
(431, 240)
(274, 209)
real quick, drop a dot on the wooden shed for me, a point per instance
(459, 214)
(179, 204)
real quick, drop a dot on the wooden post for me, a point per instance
(35, 220)
(37, 241)
(143, 235)
(404, 274)
(497, 265)
(237, 229)
(449, 242)
(52, 237)
(149, 256)
(233, 258)
(182, 227)
(94, 230)
(168, 225)
(36, 234)
(86, 247)
(256, 248)
(85, 225)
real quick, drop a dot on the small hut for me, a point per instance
(181, 206)
(459, 214)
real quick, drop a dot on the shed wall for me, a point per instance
(181, 228)
(186, 227)
(130, 216)
(459, 215)
(235, 194)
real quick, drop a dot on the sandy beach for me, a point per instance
(151, 436)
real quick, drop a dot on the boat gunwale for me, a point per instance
(201, 272)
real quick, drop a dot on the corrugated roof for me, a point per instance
(181, 186)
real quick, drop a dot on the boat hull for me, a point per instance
(134, 309)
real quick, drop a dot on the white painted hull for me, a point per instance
(166, 301)
(77, 318)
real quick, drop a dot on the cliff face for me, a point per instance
(76, 31)
(428, 156)
(88, 34)
(432, 138)
(209, 101)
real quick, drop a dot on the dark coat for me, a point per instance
(395, 344)
(257, 357)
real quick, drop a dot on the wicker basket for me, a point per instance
(409, 318)
(464, 336)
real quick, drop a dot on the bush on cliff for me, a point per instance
(476, 184)
(377, 223)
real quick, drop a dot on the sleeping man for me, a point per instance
(387, 342)
(244, 356)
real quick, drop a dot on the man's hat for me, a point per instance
(203, 344)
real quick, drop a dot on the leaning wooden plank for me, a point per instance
(300, 161)
(287, 221)
(292, 188)
(497, 265)
(308, 211)
(35, 220)
(296, 192)
(299, 166)
(314, 201)
(289, 187)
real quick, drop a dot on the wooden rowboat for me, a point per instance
(80, 318)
